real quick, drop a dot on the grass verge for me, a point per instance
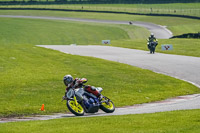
(187, 121)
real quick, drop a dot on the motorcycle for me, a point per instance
(152, 46)
(79, 101)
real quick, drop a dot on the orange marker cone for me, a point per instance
(42, 108)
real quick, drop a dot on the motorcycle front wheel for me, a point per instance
(75, 109)
(108, 106)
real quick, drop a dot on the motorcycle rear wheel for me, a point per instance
(75, 109)
(107, 107)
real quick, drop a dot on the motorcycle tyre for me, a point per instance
(74, 112)
(150, 51)
(106, 109)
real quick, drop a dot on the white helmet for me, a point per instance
(68, 79)
(152, 34)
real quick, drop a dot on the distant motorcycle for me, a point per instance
(152, 46)
(79, 101)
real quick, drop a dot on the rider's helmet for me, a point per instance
(152, 35)
(68, 79)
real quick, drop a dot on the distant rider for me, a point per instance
(78, 83)
(152, 41)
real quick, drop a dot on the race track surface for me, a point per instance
(178, 103)
(187, 68)
(182, 67)
(161, 32)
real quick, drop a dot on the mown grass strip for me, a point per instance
(187, 121)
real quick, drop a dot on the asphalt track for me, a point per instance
(181, 67)
(161, 32)
(178, 103)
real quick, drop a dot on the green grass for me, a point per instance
(67, 32)
(167, 122)
(191, 9)
(32, 31)
(188, 47)
(175, 24)
(31, 76)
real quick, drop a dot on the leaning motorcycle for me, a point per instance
(80, 101)
(152, 46)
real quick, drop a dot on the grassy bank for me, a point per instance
(31, 76)
(176, 25)
(166, 122)
(32, 31)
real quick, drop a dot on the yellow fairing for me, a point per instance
(76, 107)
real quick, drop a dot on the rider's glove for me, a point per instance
(65, 96)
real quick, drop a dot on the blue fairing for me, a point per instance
(91, 102)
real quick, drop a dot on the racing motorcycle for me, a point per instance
(152, 46)
(79, 101)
